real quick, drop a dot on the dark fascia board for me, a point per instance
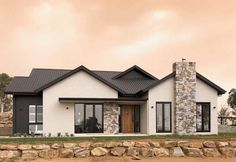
(133, 68)
(75, 71)
(219, 90)
(22, 93)
(101, 99)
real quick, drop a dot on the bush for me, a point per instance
(59, 134)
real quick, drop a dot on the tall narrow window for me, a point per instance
(35, 119)
(163, 117)
(88, 118)
(203, 117)
(136, 118)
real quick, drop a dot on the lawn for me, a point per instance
(34, 140)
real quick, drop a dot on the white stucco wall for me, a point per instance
(205, 93)
(56, 118)
(164, 92)
(143, 118)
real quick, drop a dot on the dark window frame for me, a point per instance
(202, 127)
(84, 109)
(36, 117)
(163, 117)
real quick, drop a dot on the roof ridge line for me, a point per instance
(51, 69)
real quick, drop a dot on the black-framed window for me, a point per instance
(35, 119)
(88, 118)
(203, 117)
(163, 117)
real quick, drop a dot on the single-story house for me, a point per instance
(91, 102)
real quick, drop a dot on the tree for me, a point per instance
(224, 112)
(4, 99)
(232, 99)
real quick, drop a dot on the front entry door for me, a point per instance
(127, 119)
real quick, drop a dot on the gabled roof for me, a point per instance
(135, 68)
(80, 68)
(40, 79)
(219, 90)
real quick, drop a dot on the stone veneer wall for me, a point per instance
(111, 118)
(185, 97)
(135, 149)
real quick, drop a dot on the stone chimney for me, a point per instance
(185, 97)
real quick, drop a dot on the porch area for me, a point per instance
(106, 118)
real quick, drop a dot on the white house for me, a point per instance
(87, 102)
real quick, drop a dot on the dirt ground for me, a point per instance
(129, 159)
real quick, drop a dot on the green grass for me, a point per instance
(33, 140)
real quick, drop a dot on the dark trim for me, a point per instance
(204, 103)
(84, 107)
(14, 115)
(75, 71)
(163, 115)
(100, 99)
(133, 68)
(22, 93)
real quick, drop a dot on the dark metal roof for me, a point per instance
(40, 79)
(37, 79)
(135, 68)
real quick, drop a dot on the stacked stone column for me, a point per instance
(185, 97)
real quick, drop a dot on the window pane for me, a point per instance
(159, 118)
(90, 124)
(39, 109)
(199, 117)
(206, 117)
(32, 109)
(98, 117)
(39, 114)
(39, 127)
(79, 118)
(32, 128)
(32, 114)
(39, 117)
(167, 117)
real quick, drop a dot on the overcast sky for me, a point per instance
(116, 34)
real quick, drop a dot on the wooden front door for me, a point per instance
(127, 119)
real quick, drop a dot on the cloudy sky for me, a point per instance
(116, 34)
